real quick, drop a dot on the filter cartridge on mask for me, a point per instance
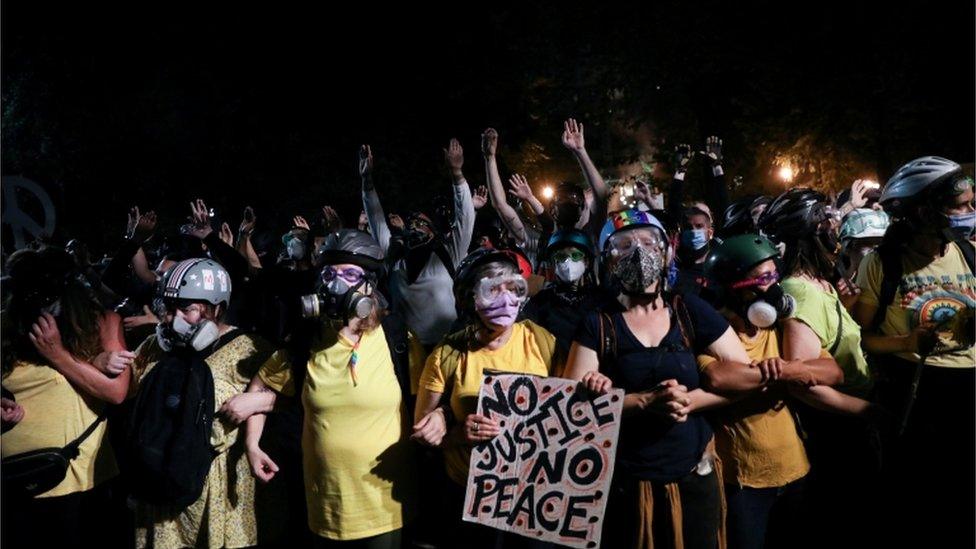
(182, 334)
(338, 302)
(772, 306)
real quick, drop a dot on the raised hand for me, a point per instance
(480, 197)
(682, 157)
(713, 150)
(573, 136)
(140, 226)
(365, 162)
(858, 190)
(489, 142)
(395, 221)
(226, 234)
(363, 222)
(247, 224)
(331, 219)
(147, 317)
(200, 219)
(454, 156)
(299, 221)
(113, 363)
(641, 192)
(520, 187)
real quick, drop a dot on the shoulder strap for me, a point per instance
(891, 270)
(684, 322)
(440, 249)
(840, 329)
(71, 450)
(608, 337)
(224, 340)
(395, 332)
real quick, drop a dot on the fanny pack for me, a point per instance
(31, 473)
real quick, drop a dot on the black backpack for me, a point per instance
(169, 429)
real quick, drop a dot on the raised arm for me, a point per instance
(85, 376)
(371, 200)
(509, 217)
(464, 205)
(519, 187)
(720, 192)
(573, 140)
(676, 193)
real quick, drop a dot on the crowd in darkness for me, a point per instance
(798, 369)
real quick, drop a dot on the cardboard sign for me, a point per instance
(547, 474)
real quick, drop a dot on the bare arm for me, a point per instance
(520, 188)
(141, 267)
(507, 214)
(573, 140)
(262, 467)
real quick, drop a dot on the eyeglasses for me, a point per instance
(761, 280)
(568, 254)
(350, 275)
(488, 289)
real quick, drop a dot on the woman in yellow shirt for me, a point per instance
(56, 340)
(489, 292)
(357, 459)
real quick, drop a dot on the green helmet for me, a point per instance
(735, 256)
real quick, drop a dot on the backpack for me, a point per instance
(891, 271)
(169, 430)
(608, 332)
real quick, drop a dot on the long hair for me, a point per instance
(808, 256)
(49, 272)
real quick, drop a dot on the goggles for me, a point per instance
(761, 280)
(487, 289)
(351, 276)
(626, 242)
(568, 254)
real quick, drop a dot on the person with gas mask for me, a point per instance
(644, 340)
(840, 421)
(195, 295)
(417, 280)
(560, 307)
(358, 464)
(917, 300)
(55, 334)
(693, 247)
(756, 437)
(490, 292)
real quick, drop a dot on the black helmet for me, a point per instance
(737, 218)
(794, 214)
(913, 179)
(354, 247)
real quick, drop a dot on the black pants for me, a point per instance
(94, 518)
(701, 511)
(764, 517)
(389, 540)
(468, 535)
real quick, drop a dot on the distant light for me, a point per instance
(547, 192)
(868, 184)
(786, 173)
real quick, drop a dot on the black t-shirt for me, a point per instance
(560, 314)
(653, 447)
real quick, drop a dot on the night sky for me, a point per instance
(111, 108)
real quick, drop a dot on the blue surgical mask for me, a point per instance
(964, 225)
(695, 239)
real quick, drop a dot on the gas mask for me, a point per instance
(419, 231)
(337, 300)
(180, 334)
(640, 269)
(770, 305)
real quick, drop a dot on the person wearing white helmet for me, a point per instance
(860, 233)
(195, 294)
(918, 293)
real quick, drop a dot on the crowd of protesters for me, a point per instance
(798, 370)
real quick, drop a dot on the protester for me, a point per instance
(358, 462)
(55, 337)
(645, 342)
(489, 291)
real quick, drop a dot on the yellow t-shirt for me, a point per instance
(522, 354)
(55, 414)
(933, 293)
(818, 310)
(756, 438)
(358, 462)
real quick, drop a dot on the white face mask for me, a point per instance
(568, 270)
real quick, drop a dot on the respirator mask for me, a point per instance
(340, 296)
(770, 305)
(180, 334)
